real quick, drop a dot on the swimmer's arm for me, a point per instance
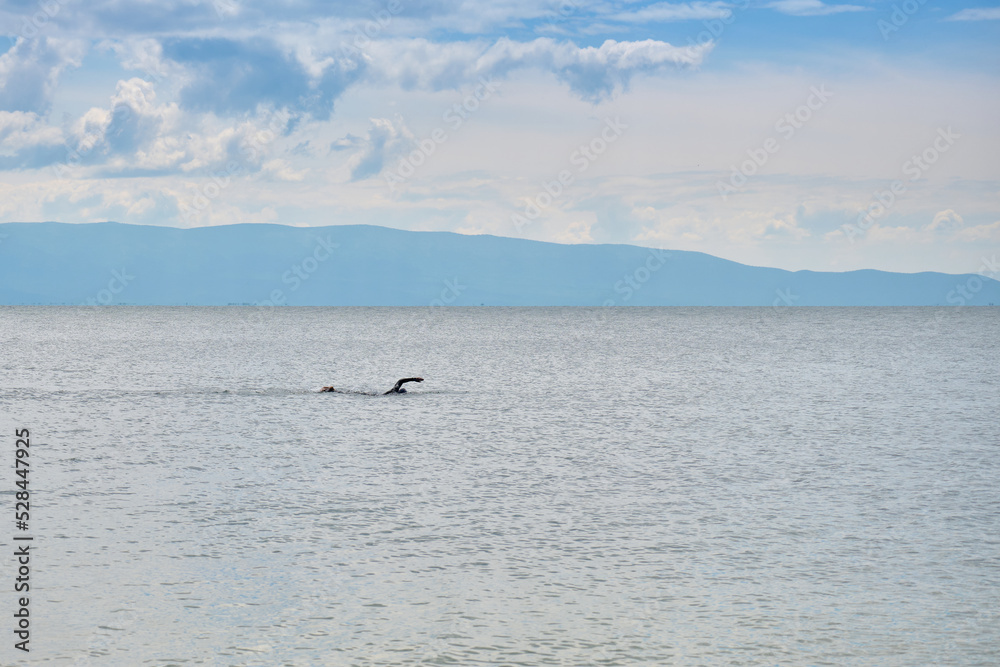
(401, 382)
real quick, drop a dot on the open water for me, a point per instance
(619, 486)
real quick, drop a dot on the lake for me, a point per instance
(568, 486)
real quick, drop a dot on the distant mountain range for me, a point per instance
(360, 265)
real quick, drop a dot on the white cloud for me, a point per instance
(21, 130)
(385, 141)
(980, 233)
(593, 73)
(812, 8)
(137, 134)
(976, 14)
(669, 11)
(575, 232)
(894, 235)
(281, 170)
(945, 221)
(30, 70)
(143, 54)
(134, 132)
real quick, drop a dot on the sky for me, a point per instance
(799, 134)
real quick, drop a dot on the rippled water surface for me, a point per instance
(567, 487)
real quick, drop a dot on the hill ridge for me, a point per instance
(54, 263)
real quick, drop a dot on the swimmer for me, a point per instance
(397, 389)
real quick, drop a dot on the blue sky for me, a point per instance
(789, 133)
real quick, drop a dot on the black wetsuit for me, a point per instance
(398, 389)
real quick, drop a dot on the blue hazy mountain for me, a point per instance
(361, 265)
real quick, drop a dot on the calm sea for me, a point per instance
(567, 487)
